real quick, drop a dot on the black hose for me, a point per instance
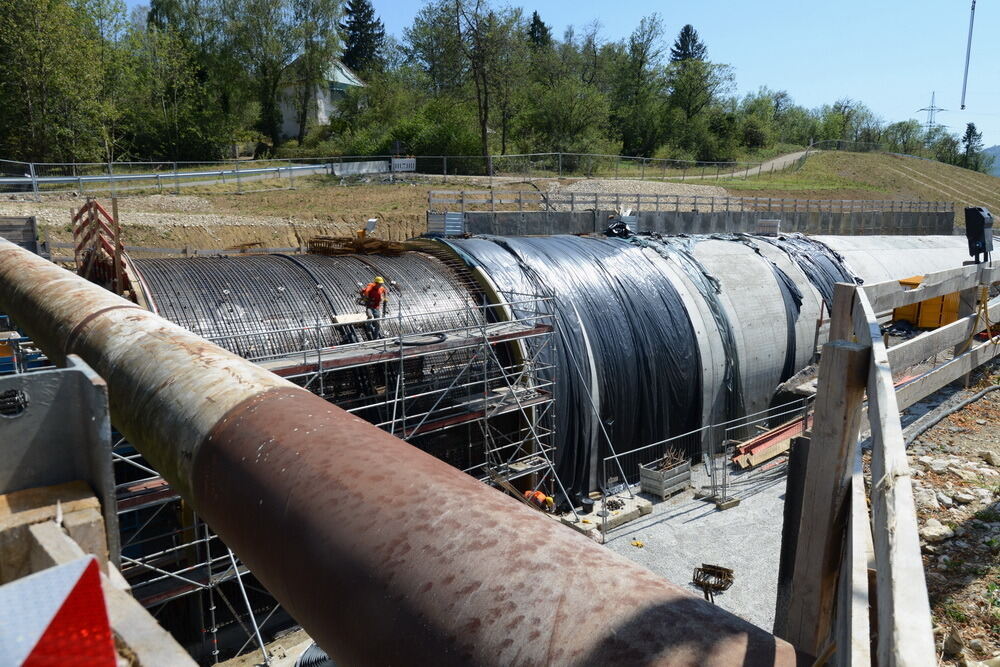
(923, 428)
(437, 338)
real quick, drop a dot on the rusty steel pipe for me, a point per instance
(383, 553)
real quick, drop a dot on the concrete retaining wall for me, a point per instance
(689, 222)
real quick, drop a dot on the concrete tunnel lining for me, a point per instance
(748, 291)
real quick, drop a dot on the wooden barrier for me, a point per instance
(840, 547)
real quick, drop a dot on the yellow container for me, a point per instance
(928, 314)
(910, 313)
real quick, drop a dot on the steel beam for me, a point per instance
(383, 553)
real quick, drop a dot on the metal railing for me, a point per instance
(708, 443)
(241, 176)
(534, 200)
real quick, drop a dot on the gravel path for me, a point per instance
(634, 187)
(682, 533)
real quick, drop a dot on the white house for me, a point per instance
(322, 103)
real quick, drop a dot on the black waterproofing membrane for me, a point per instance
(818, 261)
(629, 370)
(680, 249)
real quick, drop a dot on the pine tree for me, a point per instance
(688, 46)
(364, 36)
(972, 142)
(539, 34)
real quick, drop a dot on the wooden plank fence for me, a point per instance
(840, 545)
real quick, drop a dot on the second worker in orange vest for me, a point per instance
(540, 500)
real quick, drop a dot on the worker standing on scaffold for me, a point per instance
(375, 296)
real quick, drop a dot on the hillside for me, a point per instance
(995, 152)
(841, 175)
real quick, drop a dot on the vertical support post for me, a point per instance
(177, 181)
(642, 169)
(239, 184)
(826, 490)
(34, 180)
(560, 166)
(291, 177)
(111, 179)
(116, 228)
(968, 300)
(246, 600)
(444, 169)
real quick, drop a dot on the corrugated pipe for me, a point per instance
(951, 409)
(383, 553)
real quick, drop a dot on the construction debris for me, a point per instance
(712, 579)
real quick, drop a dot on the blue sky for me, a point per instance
(888, 54)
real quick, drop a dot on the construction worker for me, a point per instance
(375, 297)
(540, 500)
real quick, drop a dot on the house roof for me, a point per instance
(342, 74)
(338, 74)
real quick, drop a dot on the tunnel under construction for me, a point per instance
(526, 362)
(597, 344)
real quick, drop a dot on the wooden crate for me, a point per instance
(664, 483)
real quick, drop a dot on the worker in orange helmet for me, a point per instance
(375, 297)
(540, 500)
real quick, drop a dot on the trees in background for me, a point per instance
(43, 80)
(972, 147)
(318, 45)
(363, 37)
(190, 79)
(688, 46)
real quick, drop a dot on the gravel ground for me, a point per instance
(157, 210)
(633, 187)
(683, 532)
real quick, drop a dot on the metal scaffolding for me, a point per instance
(489, 374)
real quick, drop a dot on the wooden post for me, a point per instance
(904, 618)
(967, 302)
(826, 490)
(117, 260)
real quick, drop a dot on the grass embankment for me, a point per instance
(833, 175)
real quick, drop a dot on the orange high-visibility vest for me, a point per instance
(374, 293)
(536, 497)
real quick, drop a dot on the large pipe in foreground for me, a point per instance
(383, 553)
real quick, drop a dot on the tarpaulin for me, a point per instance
(628, 361)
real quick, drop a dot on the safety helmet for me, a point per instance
(379, 279)
(550, 502)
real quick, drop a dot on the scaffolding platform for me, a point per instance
(145, 494)
(353, 355)
(518, 398)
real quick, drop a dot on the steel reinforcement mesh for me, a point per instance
(258, 305)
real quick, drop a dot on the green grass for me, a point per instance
(951, 610)
(987, 515)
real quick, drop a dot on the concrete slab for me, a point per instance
(599, 521)
(683, 532)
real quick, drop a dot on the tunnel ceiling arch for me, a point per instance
(656, 335)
